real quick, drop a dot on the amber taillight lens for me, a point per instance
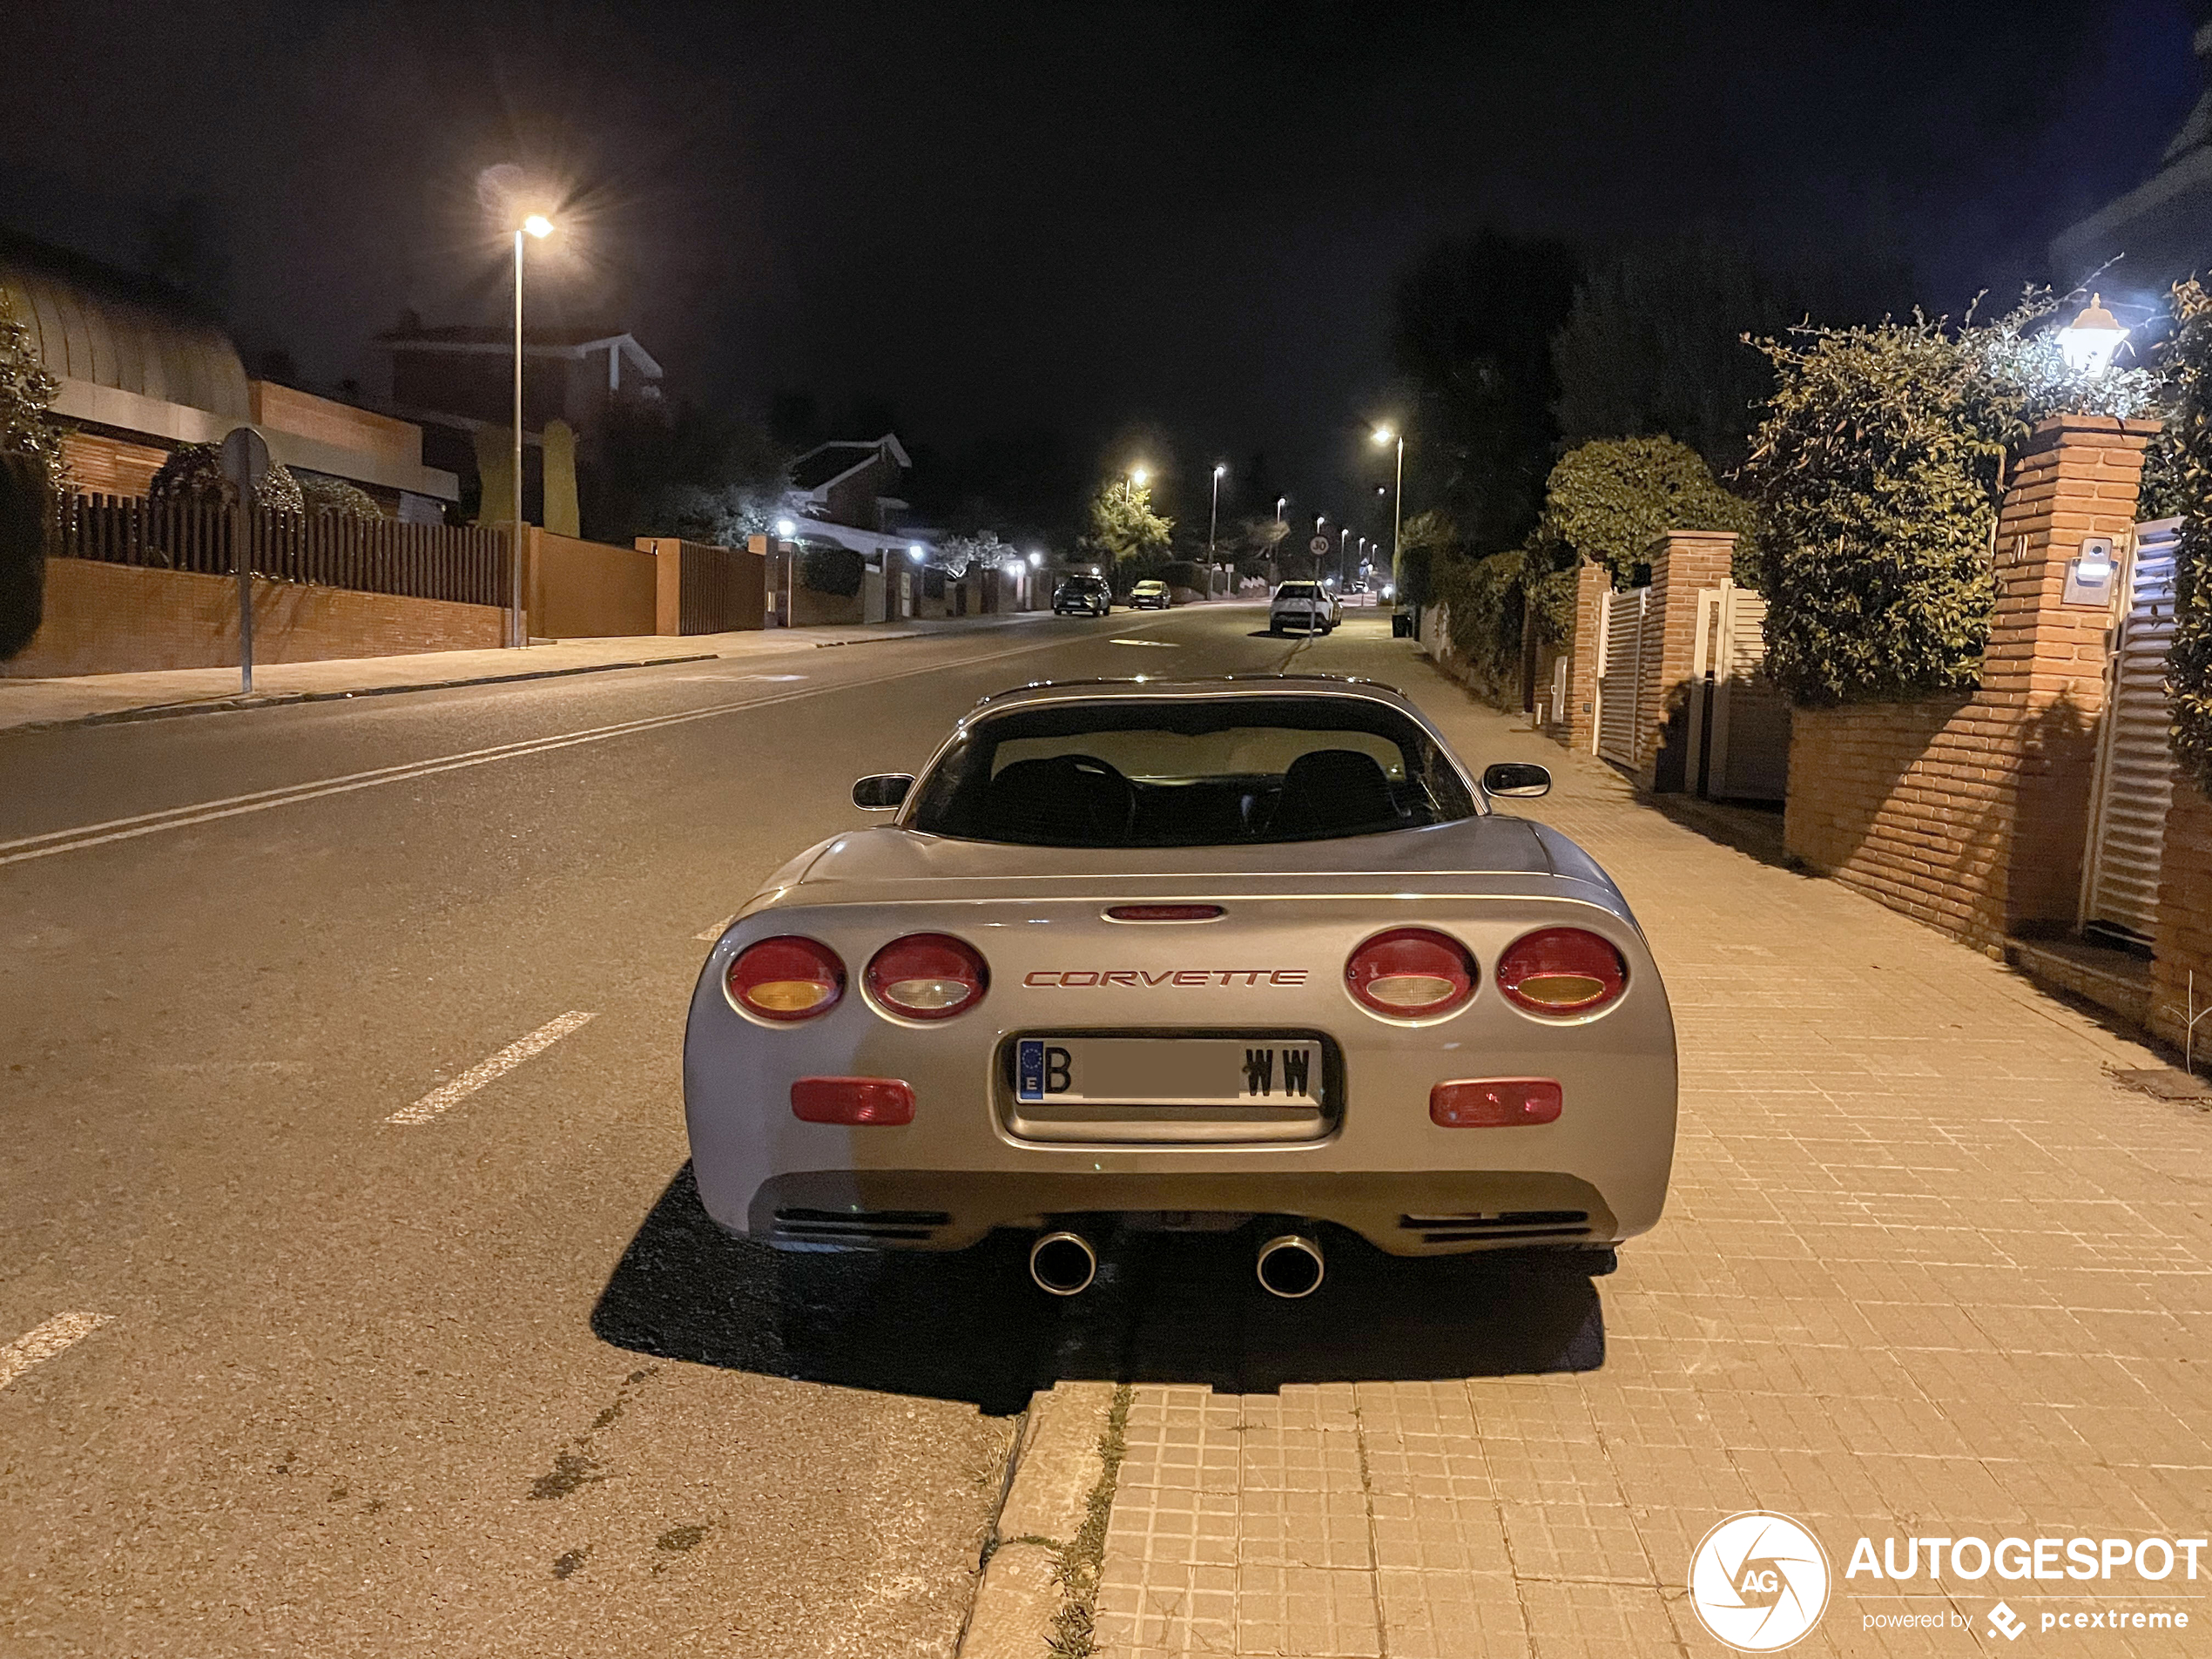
(785, 978)
(1562, 970)
(927, 977)
(1411, 974)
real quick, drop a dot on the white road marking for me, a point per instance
(1164, 644)
(438, 1100)
(42, 1342)
(262, 800)
(717, 930)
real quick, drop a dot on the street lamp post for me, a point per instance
(1384, 435)
(538, 226)
(1213, 524)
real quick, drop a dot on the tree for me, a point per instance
(2189, 669)
(1472, 328)
(1655, 344)
(680, 469)
(337, 497)
(982, 551)
(31, 469)
(1124, 533)
(1610, 500)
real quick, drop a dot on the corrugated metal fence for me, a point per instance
(468, 566)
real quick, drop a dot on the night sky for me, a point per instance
(1097, 217)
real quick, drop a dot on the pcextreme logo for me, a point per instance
(1759, 1582)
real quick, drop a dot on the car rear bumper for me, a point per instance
(1417, 1212)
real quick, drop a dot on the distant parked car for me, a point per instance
(1149, 595)
(1083, 595)
(1306, 606)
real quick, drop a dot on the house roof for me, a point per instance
(825, 464)
(571, 343)
(107, 328)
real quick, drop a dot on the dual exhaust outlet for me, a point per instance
(1064, 1264)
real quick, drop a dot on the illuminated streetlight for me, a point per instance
(1036, 561)
(541, 227)
(1384, 435)
(786, 530)
(916, 554)
(1137, 475)
(2089, 342)
(1213, 521)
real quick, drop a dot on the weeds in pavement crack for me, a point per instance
(1073, 1633)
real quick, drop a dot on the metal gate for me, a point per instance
(2135, 780)
(1739, 720)
(1620, 675)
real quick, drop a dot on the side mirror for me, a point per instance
(884, 792)
(1518, 779)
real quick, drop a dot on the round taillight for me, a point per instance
(1562, 970)
(927, 977)
(1411, 974)
(785, 978)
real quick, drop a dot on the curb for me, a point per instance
(285, 699)
(1059, 1483)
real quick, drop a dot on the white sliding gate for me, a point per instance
(1621, 634)
(1739, 720)
(2135, 778)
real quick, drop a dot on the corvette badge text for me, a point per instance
(1760, 1582)
(1081, 979)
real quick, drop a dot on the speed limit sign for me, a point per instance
(1319, 544)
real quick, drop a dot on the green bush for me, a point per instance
(1483, 607)
(336, 496)
(30, 467)
(834, 571)
(2188, 668)
(1877, 470)
(194, 472)
(1184, 573)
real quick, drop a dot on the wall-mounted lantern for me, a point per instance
(2088, 574)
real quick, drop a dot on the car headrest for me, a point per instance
(1333, 791)
(1069, 800)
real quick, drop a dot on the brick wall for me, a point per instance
(1972, 814)
(1911, 804)
(97, 465)
(2184, 940)
(120, 620)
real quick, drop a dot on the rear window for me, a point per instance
(1297, 591)
(1211, 772)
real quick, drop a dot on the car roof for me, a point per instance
(1220, 685)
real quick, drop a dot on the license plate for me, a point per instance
(1168, 1071)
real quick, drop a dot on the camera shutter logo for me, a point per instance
(1759, 1582)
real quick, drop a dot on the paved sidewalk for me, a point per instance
(1925, 1270)
(108, 696)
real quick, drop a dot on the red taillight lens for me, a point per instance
(1411, 974)
(785, 978)
(1562, 970)
(879, 1102)
(1495, 1103)
(927, 977)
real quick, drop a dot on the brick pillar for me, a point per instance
(2184, 940)
(2043, 673)
(1684, 563)
(1592, 582)
(668, 581)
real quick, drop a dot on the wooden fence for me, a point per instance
(468, 566)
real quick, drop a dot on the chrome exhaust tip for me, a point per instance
(1290, 1266)
(1063, 1264)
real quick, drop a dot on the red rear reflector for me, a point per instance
(927, 977)
(874, 1101)
(1162, 912)
(785, 978)
(1561, 970)
(1411, 974)
(1495, 1103)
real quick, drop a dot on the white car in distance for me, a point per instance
(1302, 607)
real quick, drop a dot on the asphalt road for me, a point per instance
(484, 1383)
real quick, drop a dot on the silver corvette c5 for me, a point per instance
(1200, 955)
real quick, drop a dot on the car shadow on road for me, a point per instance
(1167, 1308)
